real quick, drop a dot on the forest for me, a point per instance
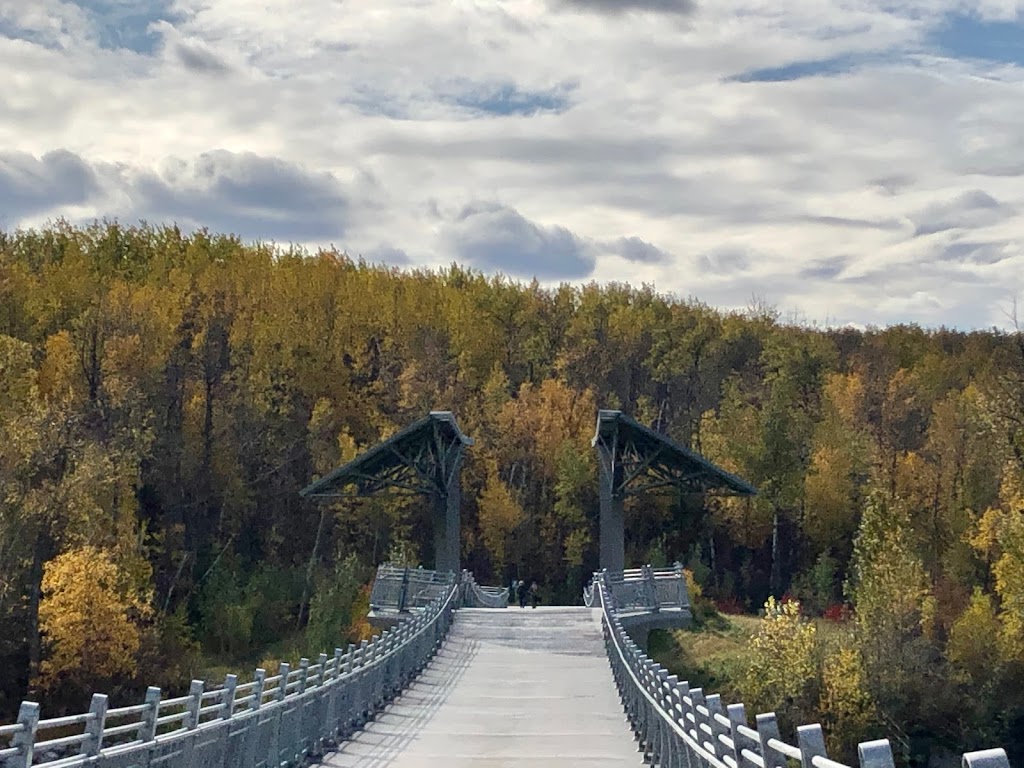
(164, 397)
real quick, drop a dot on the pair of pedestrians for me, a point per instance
(524, 593)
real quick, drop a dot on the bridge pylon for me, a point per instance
(633, 459)
(424, 458)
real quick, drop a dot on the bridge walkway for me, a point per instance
(510, 688)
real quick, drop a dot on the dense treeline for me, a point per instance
(164, 397)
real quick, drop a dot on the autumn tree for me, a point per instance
(89, 617)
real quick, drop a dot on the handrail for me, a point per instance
(239, 726)
(475, 596)
(679, 726)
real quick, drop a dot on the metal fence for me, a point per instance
(682, 727)
(269, 722)
(475, 596)
(644, 589)
(402, 589)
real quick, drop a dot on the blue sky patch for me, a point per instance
(14, 32)
(123, 24)
(797, 70)
(969, 37)
(506, 99)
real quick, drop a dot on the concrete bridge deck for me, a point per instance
(510, 688)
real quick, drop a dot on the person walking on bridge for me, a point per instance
(524, 592)
(534, 595)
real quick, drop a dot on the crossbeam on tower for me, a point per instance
(635, 459)
(424, 458)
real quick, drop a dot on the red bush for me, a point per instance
(838, 612)
(730, 605)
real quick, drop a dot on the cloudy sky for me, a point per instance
(849, 161)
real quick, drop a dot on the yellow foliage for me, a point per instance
(60, 375)
(827, 493)
(1000, 537)
(499, 516)
(973, 645)
(360, 628)
(692, 587)
(845, 393)
(846, 706)
(575, 544)
(782, 663)
(87, 617)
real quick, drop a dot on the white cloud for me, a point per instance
(877, 181)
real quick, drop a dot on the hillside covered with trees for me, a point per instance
(164, 397)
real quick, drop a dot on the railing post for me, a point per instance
(25, 739)
(284, 669)
(651, 588)
(403, 590)
(338, 653)
(259, 677)
(227, 702)
(767, 729)
(737, 715)
(878, 754)
(682, 693)
(147, 728)
(684, 592)
(697, 701)
(811, 742)
(195, 701)
(304, 674)
(321, 673)
(714, 706)
(94, 725)
(985, 758)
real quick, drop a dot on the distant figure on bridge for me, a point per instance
(524, 592)
(534, 595)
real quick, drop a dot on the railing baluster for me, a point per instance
(321, 672)
(227, 702)
(195, 701)
(737, 715)
(94, 725)
(259, 678)
(878, 754)
(24, 740)
(985, 758)
(811, 743)
(147, 728)
(768, 728)
(714, 706)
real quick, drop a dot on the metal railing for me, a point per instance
(682, 727)
(644, 589)
(476, 596)
(269, 722)
(403, 589)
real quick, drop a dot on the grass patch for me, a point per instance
(711, 657)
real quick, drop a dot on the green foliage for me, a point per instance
(816, 587)
(333, 610)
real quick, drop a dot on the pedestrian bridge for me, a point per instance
(456, 679)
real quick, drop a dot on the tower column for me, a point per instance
(612, 522)
(447, 522)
